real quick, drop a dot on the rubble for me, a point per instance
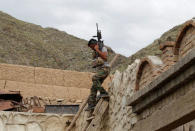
(10, 100)
(6, 105)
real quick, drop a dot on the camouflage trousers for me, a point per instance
(98, 79)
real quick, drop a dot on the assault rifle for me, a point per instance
(99, 37)
(100, 44)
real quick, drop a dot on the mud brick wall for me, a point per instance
(167, 102)
(186, 39)
(47, 83)
(168, 56)
(188, 42)
(145, 76)
(148, 69)
(120, 116)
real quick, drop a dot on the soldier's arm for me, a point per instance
(103, 55)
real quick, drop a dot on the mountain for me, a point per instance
(28, 44)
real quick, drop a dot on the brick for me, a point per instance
(57, 77)
(26, 89)
(2, 84)
(61, 92)
(17, 73)
(74, 93)
(177, 67)
(166, 50)
(84, 93)
(184, 50)
(166, 44)
(43, 76)
(43, 90)
(77, 79)
(164, 56)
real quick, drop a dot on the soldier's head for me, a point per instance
(92, 43)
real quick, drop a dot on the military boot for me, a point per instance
(104, 95)
(90, 107)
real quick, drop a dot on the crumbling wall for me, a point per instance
(124, 85)
(186, 39)
(151, 85)
(129, 84)
(17, 121)
(149, 68)
(168, 57)
(120, 116)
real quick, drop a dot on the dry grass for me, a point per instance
(28, 44)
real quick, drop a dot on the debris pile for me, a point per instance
(10, 101)
(13, 101)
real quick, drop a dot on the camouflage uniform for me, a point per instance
(98, 79)
(103, 70)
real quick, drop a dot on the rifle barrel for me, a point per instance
(97, 26)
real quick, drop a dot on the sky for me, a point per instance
(126, 25)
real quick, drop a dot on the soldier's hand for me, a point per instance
(96, 47)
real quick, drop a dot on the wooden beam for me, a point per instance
(77, 115)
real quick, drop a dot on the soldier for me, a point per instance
(100, 57)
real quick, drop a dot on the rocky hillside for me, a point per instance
(28, 44)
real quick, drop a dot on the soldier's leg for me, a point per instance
(92, 98)
(100, 87)
(99, 78)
